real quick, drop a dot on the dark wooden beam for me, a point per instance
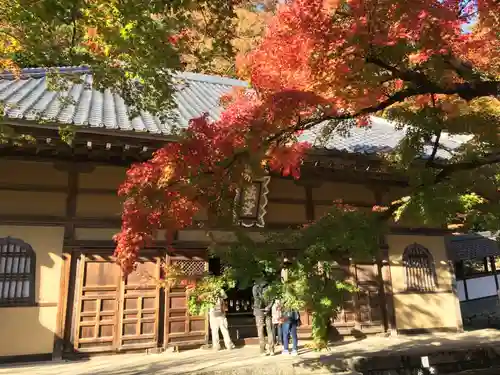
(113, 191)
(311, 172)
(106, 246)
(55, 189)
(116, 159)
(420, 230)
(318, 202)
(35, 220)
(309, 203)
(69, 235)
(45, 220)
(71, 201)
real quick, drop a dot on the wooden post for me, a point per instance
(69, 234)
(353, 275)
(384, 271)
(309, 203)
(386, 293)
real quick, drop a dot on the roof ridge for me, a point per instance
(211, 79)
(42, 71)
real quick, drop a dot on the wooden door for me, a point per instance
(360, 312)
(180, 327)
(140, 306)
(113, 314)
(369, 314)
(345, 320)
(97, 304)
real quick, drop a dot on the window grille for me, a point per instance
(419, 268)
(17, 273)
(191, 267)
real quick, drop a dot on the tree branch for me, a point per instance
(467, 90)
(448, 170)
(438, 135)
(462, 68)
(73, 40)
(435, 147)
(406, 75)
(310, 123)
(445, 173)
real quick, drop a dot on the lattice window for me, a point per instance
(191, 267)
(17, 273)
(419, 268)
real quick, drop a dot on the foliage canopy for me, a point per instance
(432, 67)
(332, 64)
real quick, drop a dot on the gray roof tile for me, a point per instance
(29, 99)
(473, 245)
(380, 137)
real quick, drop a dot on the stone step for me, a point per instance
(435, 360)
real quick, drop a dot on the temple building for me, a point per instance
(61, 293)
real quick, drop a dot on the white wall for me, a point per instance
(461, 290)
(481, 287)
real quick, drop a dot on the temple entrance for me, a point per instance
(240, 308)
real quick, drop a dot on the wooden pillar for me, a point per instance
(384, 271)
(454, 287)
(386, 294)
(73, 170)
(353, 276)
(458, 310)
(69, 230)
(308, 186)
(309, 203)
(62, 305)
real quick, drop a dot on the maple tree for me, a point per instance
(432, 65)
(325, 63)
(331, 64)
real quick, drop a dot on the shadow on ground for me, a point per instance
(449, 354)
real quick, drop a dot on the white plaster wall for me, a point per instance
(461, 290)
(481, 287)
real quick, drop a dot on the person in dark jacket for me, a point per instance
(263, 319)
(291, 321)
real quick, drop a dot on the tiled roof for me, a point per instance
(380, 137)
(473, 245)
(29, 99)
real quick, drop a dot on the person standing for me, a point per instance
(291, 321)
(263, 319)
(218, 322)
(276, 319)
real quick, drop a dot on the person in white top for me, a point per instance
(218, 322)
(276, 319)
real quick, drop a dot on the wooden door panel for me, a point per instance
(361, 310)
(180, 327)
(113, 314)
(140, 306)
(368, 300)
(97, 305)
